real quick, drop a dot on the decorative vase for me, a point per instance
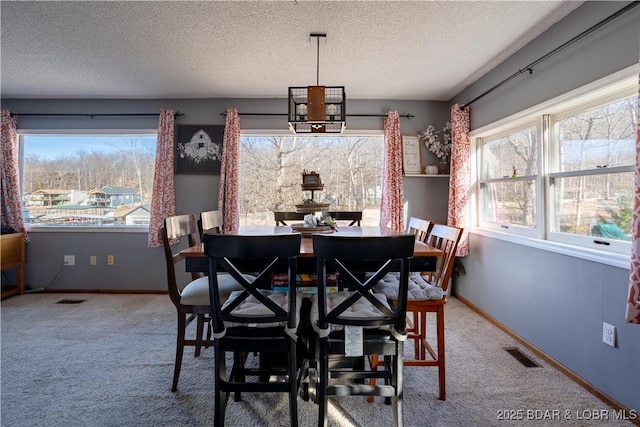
(443, 167)
(431, 170)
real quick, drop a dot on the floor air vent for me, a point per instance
(521, 357)
(70, 301)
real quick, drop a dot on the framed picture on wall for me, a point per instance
(198, 149)
(411, 158)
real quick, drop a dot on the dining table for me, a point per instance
(424, 255)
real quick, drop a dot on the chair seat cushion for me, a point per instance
(197, 291)
(419, 288)
(251, 307)
(361, 309)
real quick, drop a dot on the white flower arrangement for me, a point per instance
(430, 137)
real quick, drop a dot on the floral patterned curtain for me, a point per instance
(228, 196)
(392, 205)
(11, 203)
(633, 301)
(460, 175)
(163, 199)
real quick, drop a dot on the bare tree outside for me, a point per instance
(271, 173)
(590, 154)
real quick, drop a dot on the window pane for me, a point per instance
(350, 168)
(510, 202)
(597, 205)
(599, 137)
(516, 153)
(87, 180)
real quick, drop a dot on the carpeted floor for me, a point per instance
(108, 361)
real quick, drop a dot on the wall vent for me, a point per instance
(521, 357)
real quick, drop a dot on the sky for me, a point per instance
(54, 146)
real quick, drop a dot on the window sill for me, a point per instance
(602, 257)
(62, 229)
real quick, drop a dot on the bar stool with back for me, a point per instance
(430, 297)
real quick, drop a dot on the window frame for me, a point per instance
(501, 226)
(29, 228)
(607, 89)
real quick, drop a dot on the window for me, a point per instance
(591, 173)
(508, 182)
(80, 180)
(271, 166)
(564, 172)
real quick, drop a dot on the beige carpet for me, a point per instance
(108, 361)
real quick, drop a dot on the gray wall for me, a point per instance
(138, 267)
(557, 302)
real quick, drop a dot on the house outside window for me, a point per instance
(87, 180)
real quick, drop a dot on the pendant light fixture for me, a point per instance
(317, 109)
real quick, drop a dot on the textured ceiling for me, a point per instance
(411, 50)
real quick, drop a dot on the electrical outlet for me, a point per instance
(111, 260)
(69, 260)
(608, 334)
(93, 260)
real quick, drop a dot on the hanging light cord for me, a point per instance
(318, 36)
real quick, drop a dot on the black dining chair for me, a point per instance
(354, 218)
(256, 319)
(281, 217)
(358, 322)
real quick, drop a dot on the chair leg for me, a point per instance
(323, 382)
(293, 385)
(221, 375)
(398, 383)
(423, 336)
(374, 362)
(199, 332)
(179, 349)
(441, 352)
(417, 331)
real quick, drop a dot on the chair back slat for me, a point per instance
(257, 255)
(210, 220)
(351, 257)
(420, 228)
(176, 229)
(445, 238)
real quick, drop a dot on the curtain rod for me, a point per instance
(529, 68)
(406, 116)
(176, 114)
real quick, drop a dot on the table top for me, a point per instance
(306, 245)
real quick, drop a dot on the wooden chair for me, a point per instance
(210, 220)
(254, 319)
(192, 300)
(281, 217)
(353, 216)
(334, 316)
(430, 297)
(420, 228)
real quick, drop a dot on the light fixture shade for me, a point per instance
(317, 109)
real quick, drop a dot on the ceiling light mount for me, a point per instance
(317, 109)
